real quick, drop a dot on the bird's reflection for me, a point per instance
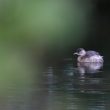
(72, 85)
(89, 67)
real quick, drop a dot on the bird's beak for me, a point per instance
(75, 53)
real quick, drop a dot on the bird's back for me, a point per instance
(91, 53)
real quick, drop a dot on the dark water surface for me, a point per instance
(66, 86)
(70, 86)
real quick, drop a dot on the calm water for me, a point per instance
(65, 86)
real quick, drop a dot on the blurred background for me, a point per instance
(35, 33)
(49, 27)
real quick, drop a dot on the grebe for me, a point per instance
(88, 56)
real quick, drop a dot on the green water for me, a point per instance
(64, 86)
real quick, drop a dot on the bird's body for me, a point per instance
(88, 56)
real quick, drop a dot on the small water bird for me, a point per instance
(88, 56)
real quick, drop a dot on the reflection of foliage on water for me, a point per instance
(15, 72)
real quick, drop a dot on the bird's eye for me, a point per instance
(79, 49)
